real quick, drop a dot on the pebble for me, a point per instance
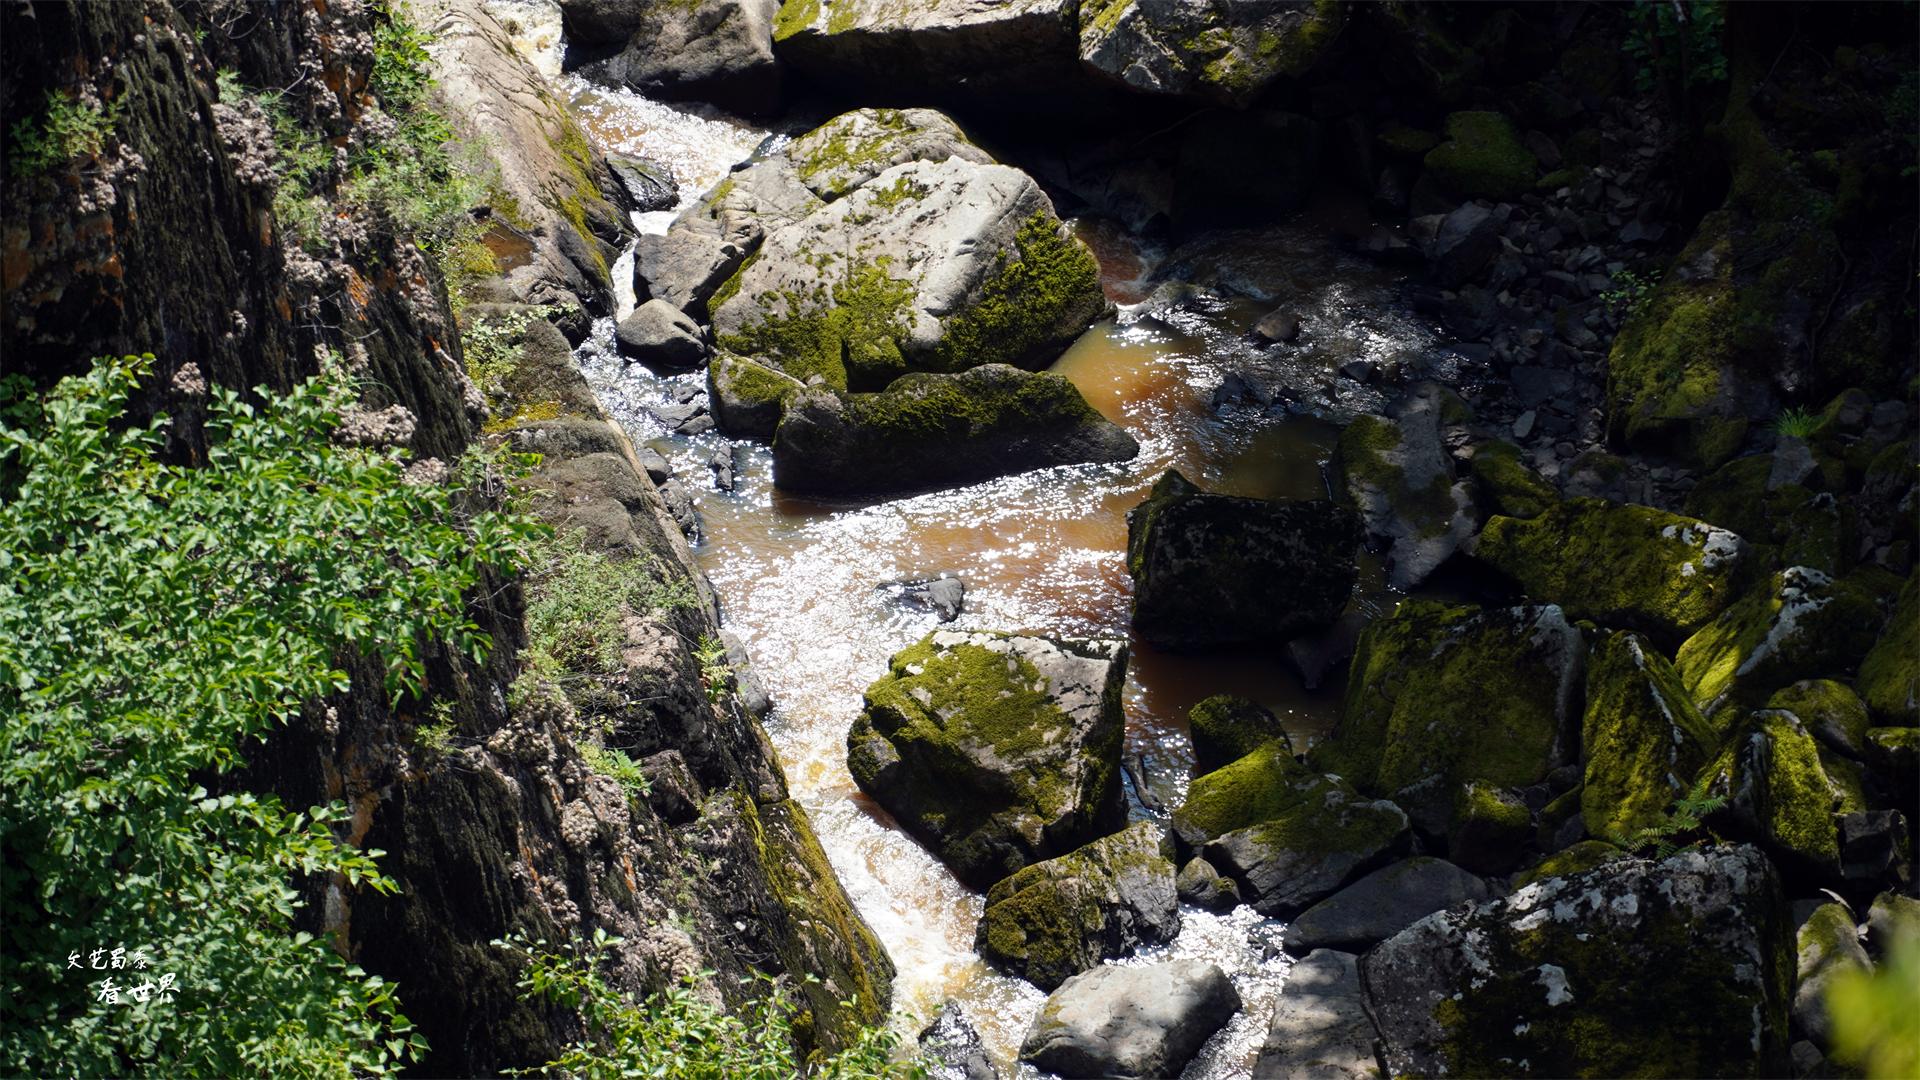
(1523, 425)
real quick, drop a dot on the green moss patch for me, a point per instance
(1642, 739)
(847, 332)
(1889, 680)
(1799, 624)
(1507, 484)
(1029, 307)
(1483, 157)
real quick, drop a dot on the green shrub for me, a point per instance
(716, 674)
(69, 129)
(155, 620)
(676, 1033)
(491, 347)
(576, 601)
(616, 764)
(1796, 423)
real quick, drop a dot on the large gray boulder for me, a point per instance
(1641, 967)
(1057, 918)
(1211, 570)
(1225, 52)
(717, 51)
(928, 266)
(662, 337)
(1396, 471)
(997, 53)
(1145, 1021)
(854, 147)
(1382, 904)
(1320, 1029)
(996, 751)
(1287, 836)
(709, 239)
(930, 431)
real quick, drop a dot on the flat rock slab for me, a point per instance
(1145, 1021)
(1320, 1029)
(1382, 904)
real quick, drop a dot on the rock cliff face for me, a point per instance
(166, 241)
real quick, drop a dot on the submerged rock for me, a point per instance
(1440, 695)
(995, 751)
(931, 431)
(1224, 53)
(1145, 1021)
(1642, 740)
(1625, 566)
(1287, 836)
(1225, 728)
(1320, 1027)
(1680, 967)
(1382, 904)
(1214, 570)
(1802, 623)
(1398, 474)
(1057, 918)
(928, 266)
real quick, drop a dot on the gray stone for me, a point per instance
(718, 51)
(1382, 904)
(1059, 917)
(1202, 886)
(953, 1047)
(1398, 473)
(709, 239)
(662, 337)
(1004, 52)
(1459, 244)
(649, 185)
(854, 147)
(1827, 945)
(1224, 53)
(1145, 1021)
(1320, 1029)
(1565, 974)
(1793, 462)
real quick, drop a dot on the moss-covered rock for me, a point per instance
(995, 751)
(1827, 945)
(1439, 695)
(1202, 886)
(1483, 158)
(747, 398)
(854, 147)
(929, 431)
(1801, 623)
(1795, 524)
(1643, 740)
(1508, 485)
(1680, 967)
(1577, 859)
(1780, 793)
(1398, 474)
(1227, 55)
(1491, 828)
(1618, 564)
(1056, 918)
(1287, 836)
(1830, 710)
(1225, 728)
(1889, 679)
(1213, 570)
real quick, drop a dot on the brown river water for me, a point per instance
(802, 581)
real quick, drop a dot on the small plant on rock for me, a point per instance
(1682, 827)
(716, 674)
(69, 129)
(1796, 423)
(619, 766)
(1630, 293)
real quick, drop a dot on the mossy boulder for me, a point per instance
(1225, 728)
(1211, 570)
(1483, 158)
(1799, 624)
(1889, 679)
(1053, 919)
(1223, 54)
(928, 266)
(1677, 967)
(930, 431)
(1642, 739)
(1619, 564)
(1797, 525)
(1830, 710)
(1576, 859)
(1507, 484)
(1398, 474)
(1287, 836)
(747, 398)
(1007, 54)
(1827, 945)
(1202, 886)
(854, 147)
(1782, 794)
(1491, 828)
(1438, 695)
(995, 751)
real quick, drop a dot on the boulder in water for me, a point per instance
(649, 185)
(716, 51)
(1675, 967)
(1404, 733)
(747, 398)
(1225, 728)
(707, 241)
(1320, 1026)
(996, 751)
(854, 147)
(1144, 1021)
(930, 431)
(1286, 835)
(1398, 475)
(1212, 570)
(1053, 919)
(954, 1047)
(661, 336)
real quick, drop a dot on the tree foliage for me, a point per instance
(154, 619)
